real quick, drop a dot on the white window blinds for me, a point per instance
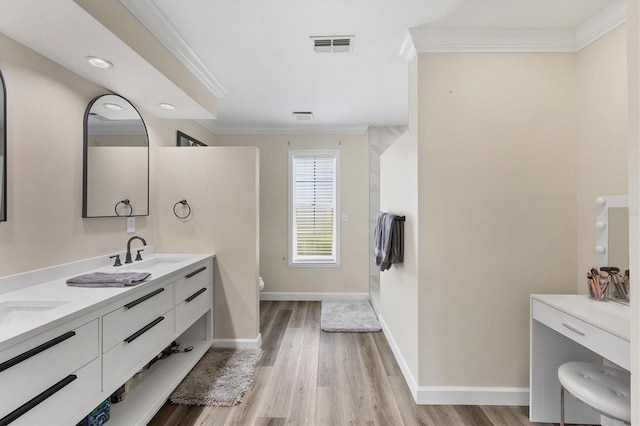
(313, 207)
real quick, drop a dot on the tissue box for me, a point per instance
(99, 416)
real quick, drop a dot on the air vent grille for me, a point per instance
(335, 44)
(303, 115)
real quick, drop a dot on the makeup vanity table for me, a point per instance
(572, 328)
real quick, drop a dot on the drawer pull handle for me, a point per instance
(143, 298)
(35, 351)
(572, 328)
(196, 272)
(143, 330)
(196, 294)
(18, 412)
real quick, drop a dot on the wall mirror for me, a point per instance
(3, 150)
(612, 237)
(116, 159)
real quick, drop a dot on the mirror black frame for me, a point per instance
(85, 154)
(3, 201)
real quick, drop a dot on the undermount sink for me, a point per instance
(155, 263)
(15, 311)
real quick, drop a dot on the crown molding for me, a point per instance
(221, 129)
(408, 49)
(492, 40)
(152, 17)
(600, 24)
(432, 40)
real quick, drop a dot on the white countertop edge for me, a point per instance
(80, 301)
(612, 317)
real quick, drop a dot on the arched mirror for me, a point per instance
(3, 150)
(116, 159)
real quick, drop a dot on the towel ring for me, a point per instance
(127, 203)
(184, 203)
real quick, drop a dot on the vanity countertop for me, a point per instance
(52, 302)
(612, 317)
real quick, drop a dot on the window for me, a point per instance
(313, 208)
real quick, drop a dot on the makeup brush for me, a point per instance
(592, 287)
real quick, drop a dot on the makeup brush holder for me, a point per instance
(600, 294)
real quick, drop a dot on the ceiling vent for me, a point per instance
(334, 44)
(303, 115)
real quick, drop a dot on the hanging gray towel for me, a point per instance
(378, 239)
(106, 279)
(388, 241)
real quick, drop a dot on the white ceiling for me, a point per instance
(256, 56)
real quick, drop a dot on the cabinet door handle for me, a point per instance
(143, 298)
(18, 412)
(196, 272)
(35, 351)
(143, 330)
(572, 328)
(196, 294)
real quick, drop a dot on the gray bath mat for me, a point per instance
(348, 317)
(221, 378)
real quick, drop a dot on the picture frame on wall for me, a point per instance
(186, 140)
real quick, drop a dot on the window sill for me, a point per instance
(314, 265)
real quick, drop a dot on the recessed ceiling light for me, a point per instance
(112, 107)
(167, 106)
(99, 62)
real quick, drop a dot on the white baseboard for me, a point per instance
(406, 372)
(304, 297)
(239, 343)
(453, 395)
(468, 395)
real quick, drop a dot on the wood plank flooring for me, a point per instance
(309, 377)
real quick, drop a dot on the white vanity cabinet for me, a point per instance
(60, 373)
(52, 374)
(193, 294)
(572, 328)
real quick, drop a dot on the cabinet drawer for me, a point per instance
(194, 279)
(600, 341)
(137, 349)
(193, 307)
(41, 363)
(135, 314)
(58, 403)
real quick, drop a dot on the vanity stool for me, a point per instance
(605, 389)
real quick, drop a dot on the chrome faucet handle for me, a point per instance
(138, 256)
(117, 262)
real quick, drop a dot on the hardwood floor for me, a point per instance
(309, 377)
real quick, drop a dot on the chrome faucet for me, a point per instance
(128, 259)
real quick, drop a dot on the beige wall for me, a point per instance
(601, 71)
(497, 208)
(45, 111)
(399, 195)
(506, 186)
(353, 274)
(221, 184)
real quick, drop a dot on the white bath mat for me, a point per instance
(348, 317)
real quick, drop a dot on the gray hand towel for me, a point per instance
(107, 279)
